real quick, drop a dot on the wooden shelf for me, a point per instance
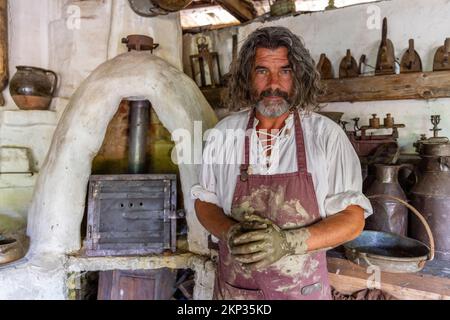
(347, 278)
(421, 85)
(81, 263)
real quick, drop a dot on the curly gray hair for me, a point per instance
(306, 85)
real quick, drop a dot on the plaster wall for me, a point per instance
(71, 38)
(58, 203)
(78, 39)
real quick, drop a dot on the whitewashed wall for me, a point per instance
(72, 38)
(74, 53)
(359, 28)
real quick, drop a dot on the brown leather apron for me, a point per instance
(289, 200)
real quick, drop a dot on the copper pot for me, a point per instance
(10, 250)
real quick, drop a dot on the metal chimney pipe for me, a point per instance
(139, 124)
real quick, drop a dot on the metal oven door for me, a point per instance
(131, 215)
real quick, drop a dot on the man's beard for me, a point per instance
(274, 108)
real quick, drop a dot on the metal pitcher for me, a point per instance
(388, 215)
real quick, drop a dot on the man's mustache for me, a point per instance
(274, 93)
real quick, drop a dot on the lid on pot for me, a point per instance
(434, 146)
(438, 149)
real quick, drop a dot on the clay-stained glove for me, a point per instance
(242, 228)
(246, 222)
(258, 249)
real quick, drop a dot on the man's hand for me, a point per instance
(260, 248)
(258, 242)
(241, 228)
(327, 233)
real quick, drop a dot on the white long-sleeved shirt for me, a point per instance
(330, 157)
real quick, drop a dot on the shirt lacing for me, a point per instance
(267, 142)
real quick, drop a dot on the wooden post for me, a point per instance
(4, 74)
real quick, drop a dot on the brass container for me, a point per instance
(374, 122)
(388, 121)
(431, 196)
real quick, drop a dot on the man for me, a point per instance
(296, 192)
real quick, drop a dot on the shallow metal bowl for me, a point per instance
(390, 252)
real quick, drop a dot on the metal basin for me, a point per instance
(390, 252)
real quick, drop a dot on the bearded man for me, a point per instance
(296, 191)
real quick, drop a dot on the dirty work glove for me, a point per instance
(246, 222)
(241, 228)
(259, 249)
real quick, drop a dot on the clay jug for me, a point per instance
(32, 88)
(388, 215)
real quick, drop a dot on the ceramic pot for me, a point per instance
(10, 250)
(32, 88)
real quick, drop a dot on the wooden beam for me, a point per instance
(210, 27)
(242, 10)
(348, 278)
(81, 263)
(4, 73)
(200, 4)
(428, 85)
(421, 85)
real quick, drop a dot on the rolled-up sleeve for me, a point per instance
(205, 190)
(344, 176)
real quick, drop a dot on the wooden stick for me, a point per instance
(4, 74)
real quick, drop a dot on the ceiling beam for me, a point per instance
(243, 10)
(200, 4)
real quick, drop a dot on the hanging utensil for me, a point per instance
(348, 67)
(441, 58)
(411, 61)
(386, 55)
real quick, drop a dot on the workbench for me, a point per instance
(432, 283)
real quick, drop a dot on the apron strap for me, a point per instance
(248, 132)
(300, 145)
